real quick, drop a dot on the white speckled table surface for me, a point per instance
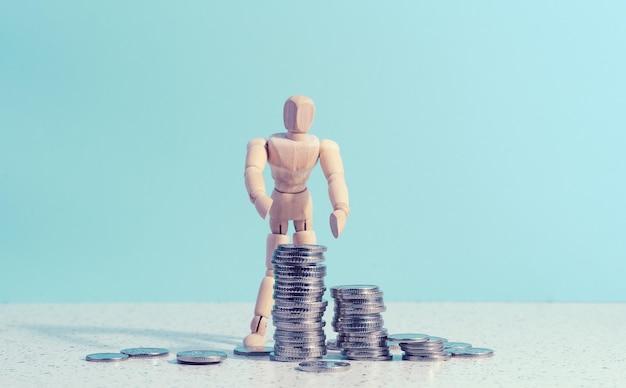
(536, 344)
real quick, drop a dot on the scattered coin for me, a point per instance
(323, 366)
(200, 356)
(457, 345)
(106, 357)
(254, 351)
(145, 352)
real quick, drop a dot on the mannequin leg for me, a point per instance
(304, 232)
(265, 300)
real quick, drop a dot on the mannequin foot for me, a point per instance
(257, 337)
(254, 339)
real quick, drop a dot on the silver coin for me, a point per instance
(359, 289)
(106, 357)
(407, 337)
(313, 267)
(297, 315)
(357, 301)
(298, 326)
(323, 366)
(365, 352)
(360, 311)
(361, 328)
(292, 299)
(314, 337)
(318, 332)
(301, 248)
(288, 253)
(280, 343)
(436, 339)
(357, 324)
(305, 282)
(286, 305)
(290, 289)
(422, 345)
(359, 298)
(200, 356)
(253, 350)
(362, 345)
(373, 335)
(457, 345)
(300, 260)
(275, 357)
(472, 352)
(145, 352)
(426, 358)
(287, 276)
(426, 353)
(375, 358)
(299, 349)
(301, 356)
(301, 340)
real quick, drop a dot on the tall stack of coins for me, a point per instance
(359, 323)
(299, 272)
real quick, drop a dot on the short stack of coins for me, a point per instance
(421, 347)
(359, 324)
(299, 307)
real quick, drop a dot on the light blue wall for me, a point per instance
(484, 146)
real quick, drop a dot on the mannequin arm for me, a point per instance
(337, 189)
(256, 158)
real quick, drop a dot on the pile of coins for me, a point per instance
(298, 305)
(422, 347)
(359, 324)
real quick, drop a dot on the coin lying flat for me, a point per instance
(253, 350)
(471, 352)
(200, 356)
(106, 357)
(457, 345)
(145, 352)
(323, 366)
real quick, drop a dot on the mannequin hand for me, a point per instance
(263, 204)
(337, 222)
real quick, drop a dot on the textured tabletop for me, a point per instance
(535, 344)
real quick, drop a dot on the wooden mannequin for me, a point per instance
(292, 156)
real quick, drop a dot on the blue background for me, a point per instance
(483, 143)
